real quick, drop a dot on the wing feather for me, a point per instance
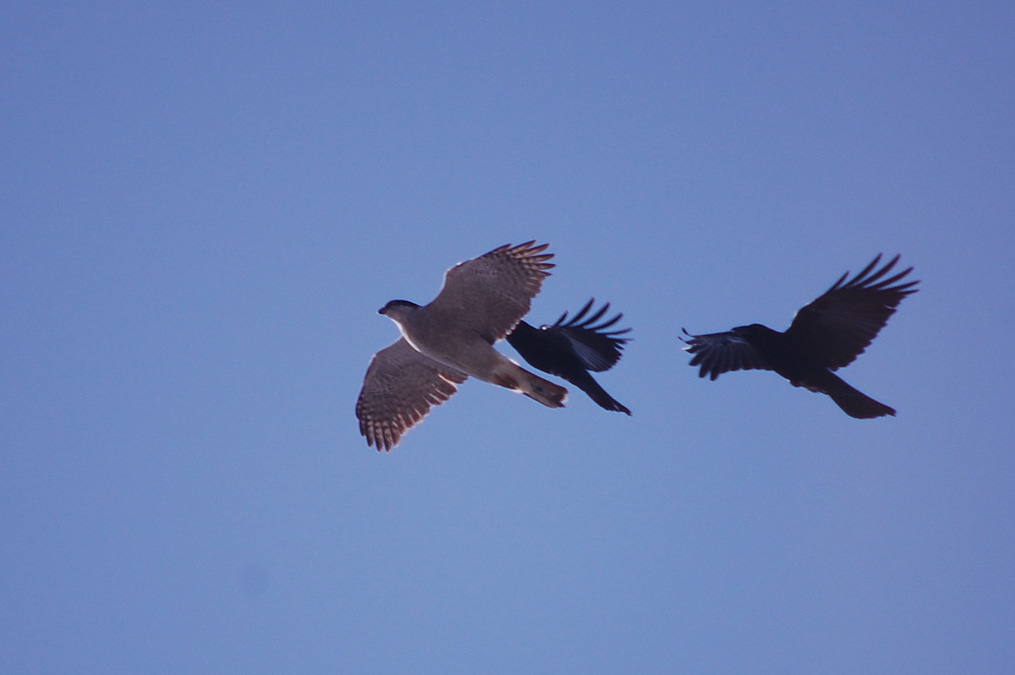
(719, 353)
(841, 323)
(399, 388)
(596, 347)
(490, 294)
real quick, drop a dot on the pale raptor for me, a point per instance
(451, 338)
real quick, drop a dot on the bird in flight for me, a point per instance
(570, 349)
(825, 335)
(451, 338)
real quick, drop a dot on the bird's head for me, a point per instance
(398, 309)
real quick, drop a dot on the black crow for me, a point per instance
(826, 335)
(570, 349)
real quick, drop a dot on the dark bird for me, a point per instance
(570, 349)
(825, 335)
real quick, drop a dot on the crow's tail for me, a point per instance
(589, 385)
(853, 402)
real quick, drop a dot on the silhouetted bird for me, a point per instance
(569, 349)
(827, 334)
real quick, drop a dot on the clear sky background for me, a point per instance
(203, 206)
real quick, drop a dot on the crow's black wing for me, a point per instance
(840, 324)
(597, 348)
(719, 353)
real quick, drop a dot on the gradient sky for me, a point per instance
(203, 205)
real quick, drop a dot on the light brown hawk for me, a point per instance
(451, 338)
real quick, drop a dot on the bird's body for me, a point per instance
(431, 334)
(825, 335)
(570, 349)
(798, 361)
(451, 338)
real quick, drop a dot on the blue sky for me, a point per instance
(203, 207)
